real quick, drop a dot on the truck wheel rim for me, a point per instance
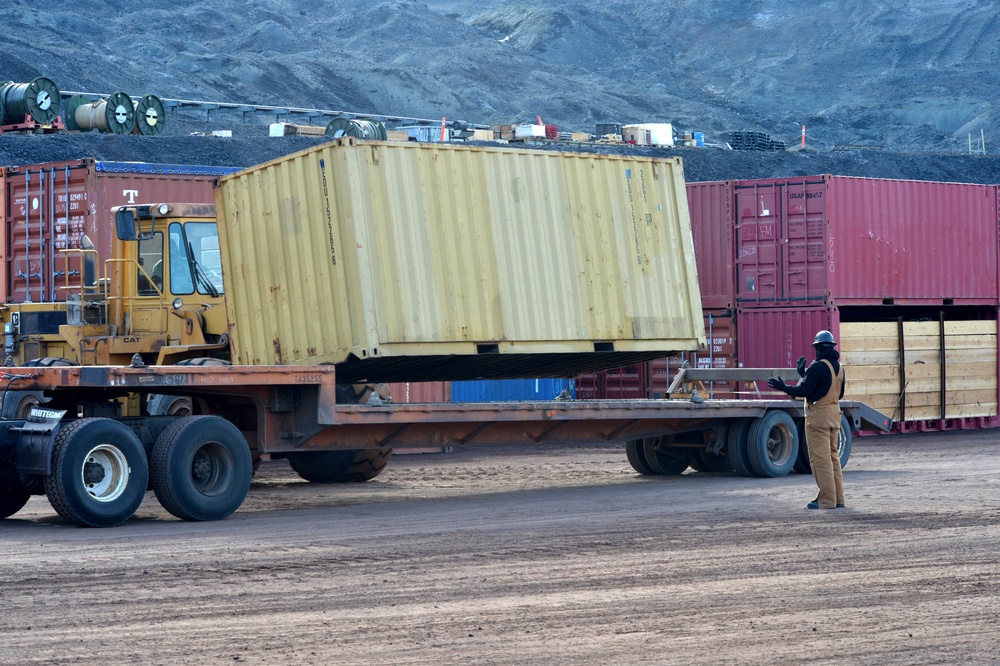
(212, 469)
(105, 473)
(779, 444)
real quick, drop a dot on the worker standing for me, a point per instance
(823, 388)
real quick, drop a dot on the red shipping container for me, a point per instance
(627, 383)
(45, 208)
(777, 337)
(720, 329)
(408, 392)
(710, 206)
(834, 240)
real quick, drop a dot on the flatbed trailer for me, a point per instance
(95, 466)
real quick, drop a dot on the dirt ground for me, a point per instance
(516, 555)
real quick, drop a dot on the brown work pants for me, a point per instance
(822, 435)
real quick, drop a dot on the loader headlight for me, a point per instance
(176, 304)
(163, 209)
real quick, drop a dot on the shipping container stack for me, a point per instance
(903, 273)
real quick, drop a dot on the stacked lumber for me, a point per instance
(908, 385)
(288, 129)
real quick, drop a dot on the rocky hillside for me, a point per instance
(906, 75)
(855, 74)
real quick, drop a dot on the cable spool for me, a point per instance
(39, 99)
(115, 114)
(150, 116)
(359, 129)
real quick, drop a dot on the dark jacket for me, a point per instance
(818, 379)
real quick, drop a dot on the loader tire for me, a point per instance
(158, 404)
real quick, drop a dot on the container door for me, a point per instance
(805, 225)
(758, 244)
(36, 230)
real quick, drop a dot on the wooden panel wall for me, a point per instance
(870, 352)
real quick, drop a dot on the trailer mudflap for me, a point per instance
(38, 436)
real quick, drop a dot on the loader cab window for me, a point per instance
(149, 275)
(195, 264)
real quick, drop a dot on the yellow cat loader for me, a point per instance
(159, 299)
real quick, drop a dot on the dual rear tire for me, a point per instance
(200, 469)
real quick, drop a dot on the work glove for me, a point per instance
(777, 384)
(801, 366)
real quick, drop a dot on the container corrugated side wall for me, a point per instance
(864, 241)
(713, 228)
(391, 249)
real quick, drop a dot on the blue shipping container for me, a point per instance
(699, 139)
(511, 390)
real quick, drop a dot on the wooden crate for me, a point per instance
(870, 351)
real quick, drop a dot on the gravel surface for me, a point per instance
(532, 556)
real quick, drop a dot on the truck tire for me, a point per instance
(666, 460)
(12, 500)
(158, 404)
(703, 461)
(736, 447)
(637, 457)
(773, 444)
(201, 468)
(99, 473)
(344, 466)
(844, 445)
(18, 404)
(13, 495)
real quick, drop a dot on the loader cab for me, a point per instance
(160, 293)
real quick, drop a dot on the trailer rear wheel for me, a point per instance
(99, 473)
(703, 461)
(844, 445)
(846, 440)
(802, 465)
(343, 466)
(736, 446)
(773, 444)
(666, 460)
(201, 468)
(637, 457)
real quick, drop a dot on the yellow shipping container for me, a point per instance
(409, 262)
